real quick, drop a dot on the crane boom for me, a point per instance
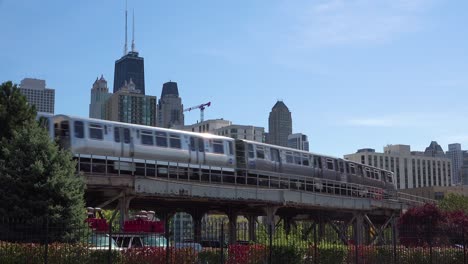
(201, 107)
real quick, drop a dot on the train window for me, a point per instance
(126, 135)
(231, 151)
(218, 146)
(352, 169)
(317, 162)
(251, 151)
(116, 134)
(330, 164)
(201, 145)
(305, 160)
(376, 174)
(368, 173)
(105, 130)
(174, 141)
(274, 154)
(95, 131)
(359, 170)
(260, 152)
(341, 166)
(147, 138)
(79, 129)
(289, 157)
(297, 158)
(161, 139)
(389, 177)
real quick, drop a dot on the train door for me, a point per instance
(62, 131)
(343, 173)
(275, 159)
(197, 150)
(123, 139)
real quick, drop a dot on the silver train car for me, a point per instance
(257, 156)
(87, 136)
(108, 138)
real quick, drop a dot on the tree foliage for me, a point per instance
(37, 179)
(454, 202)
(15, 113)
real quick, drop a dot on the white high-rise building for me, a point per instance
(99, 96)
(37, 94)
(412, 169)
(298, 141)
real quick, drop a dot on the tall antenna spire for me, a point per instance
(125, 47)
(133, 31)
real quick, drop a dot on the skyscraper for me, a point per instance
(298, 141)
(455, 153)
(37, 94)
(170, 107)
(279, 124)
(99, 95)
(129, 106)
(434, 150)
(130, 66)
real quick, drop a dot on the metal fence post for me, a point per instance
(221, 243)
(394, 241)
(315, 243)
(464, 246)
(270, 234)
(109, 252)
(46, 241)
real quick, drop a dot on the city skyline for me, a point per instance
(349, 83)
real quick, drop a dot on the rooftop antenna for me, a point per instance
(125, 47)
(133, 31)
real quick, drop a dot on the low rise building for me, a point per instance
(411, 169)
(38, 95)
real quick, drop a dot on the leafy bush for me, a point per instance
(246, 254)
(210, 256)
(286, 254)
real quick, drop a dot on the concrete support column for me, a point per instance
(123, 206)
(270, 212)
(252, 219)
(287, 221)
(197, 217)
(232, 215)
(359, 229)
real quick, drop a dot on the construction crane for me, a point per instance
(201, 107)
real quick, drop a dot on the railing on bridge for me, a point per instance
(115, 166)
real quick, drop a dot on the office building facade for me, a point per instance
(170, 107)
(129, 106)
(208, 126)
(38, 95)
(455, 154)
(252, 133)
(411, 169)
(99, 96)
(298, 141)
(130, 66)
(279, 125)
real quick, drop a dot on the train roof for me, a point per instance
(169, 130)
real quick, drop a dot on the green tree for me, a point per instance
(37, 179)
(15, 112)
(454, 202)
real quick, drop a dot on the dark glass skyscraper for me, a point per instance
(130, 66)
(279, 125)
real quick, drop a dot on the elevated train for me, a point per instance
(198, 152)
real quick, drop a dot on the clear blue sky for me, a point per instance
(354, 73)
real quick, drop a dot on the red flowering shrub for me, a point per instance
(246, 254)
(156, 255)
